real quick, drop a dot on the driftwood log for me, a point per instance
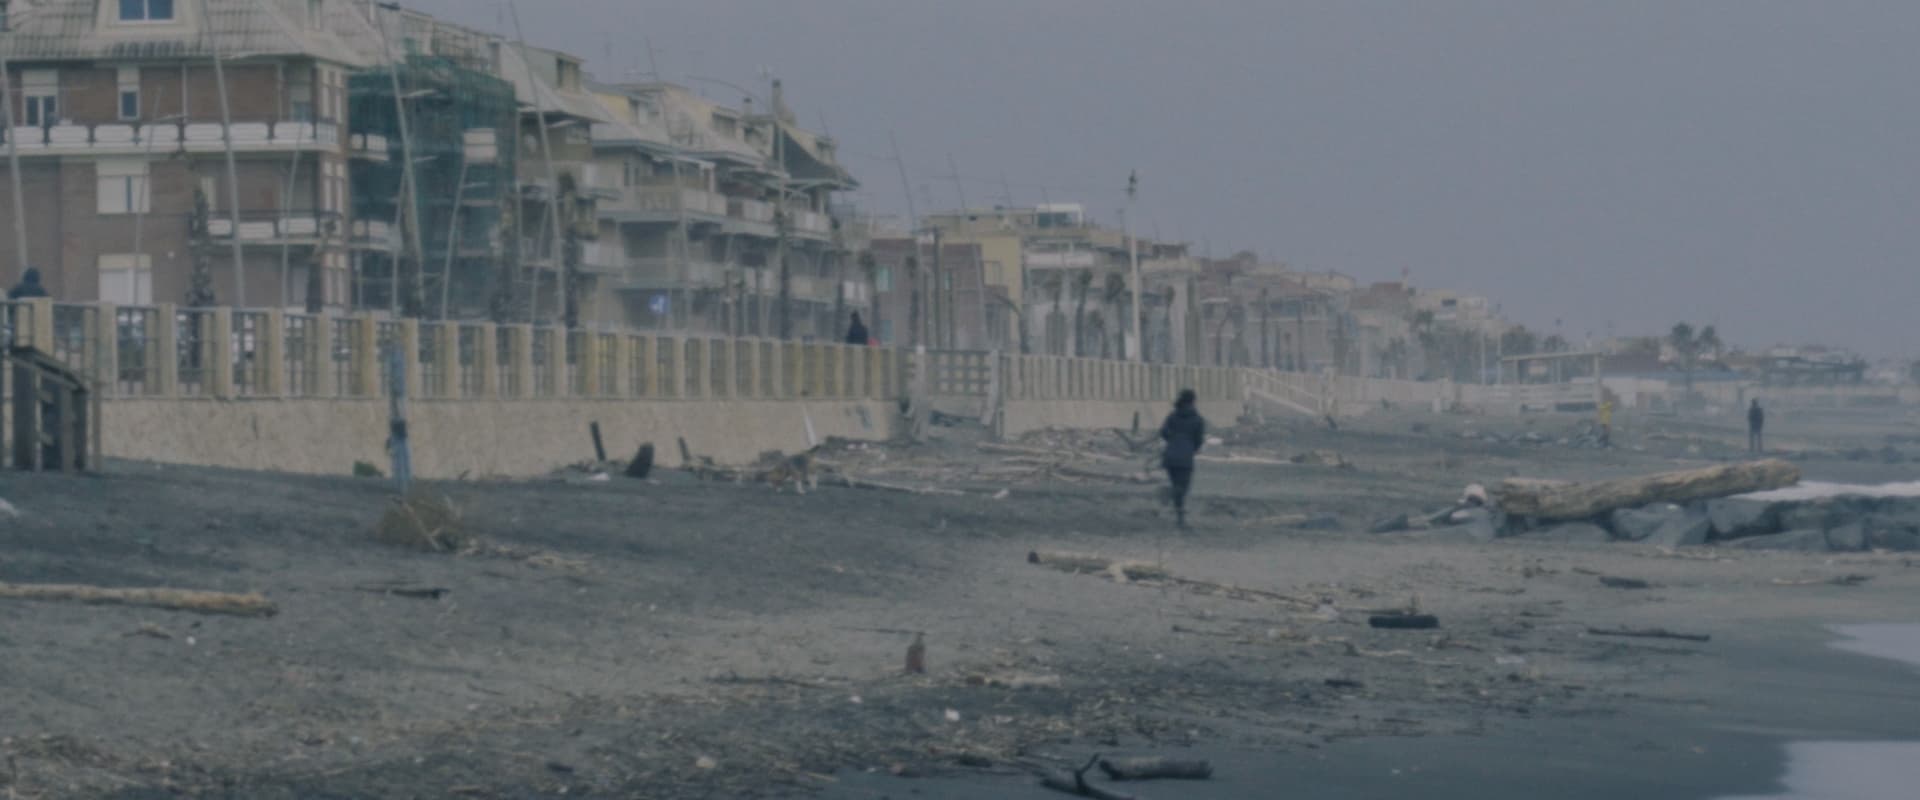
(1075, 783)
(1154, 767)
(1547, 500)
(252, 604)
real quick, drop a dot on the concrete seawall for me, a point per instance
(504, 438)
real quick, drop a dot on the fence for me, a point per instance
(244, 354)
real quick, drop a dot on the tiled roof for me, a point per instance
(70, 29)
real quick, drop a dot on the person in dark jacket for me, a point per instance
(29, 286)
(857, 333)
(1184, 432)
(1756, 425)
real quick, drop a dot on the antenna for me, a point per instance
(652, 63)
(957, 188)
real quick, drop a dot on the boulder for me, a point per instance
(1735, 517)
(1690, 529)
(1635, 524)
(1806, 540)
(1848, 538)
(1881, 535)
(1476, 524)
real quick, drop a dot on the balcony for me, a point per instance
(374, 234)
(599, 259)
(481, 146)
(663, 204)
(750, 217)
(810, 224)
(274, 227)
(1061, 259)
(654, 273)
(195, 137)
(370, 147)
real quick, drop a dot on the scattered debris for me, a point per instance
(1322, 458)
(252, 604)
(1119, 571)
(421, 521)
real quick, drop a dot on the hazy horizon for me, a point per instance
(1619, 166)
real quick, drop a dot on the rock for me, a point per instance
(1816, 514)
(1848, 538)
(1735, 517)
(1690, 529)
(1806, 540)
(1882, 535)
(1636, 524)
(1575, 532)
(1474, 524)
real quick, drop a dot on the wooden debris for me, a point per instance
(1154, 767)
(852, 483)
(1838, 580)
(1550, 501)
(1613, 582)
(252, 604)
(413, 592)
(1650, 633)
(1120, 571)
(1404, 621)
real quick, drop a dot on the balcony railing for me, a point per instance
(810, 223)
(371, 146)
(663, 203)
(167, 137)
(376, 234)
(275, 227)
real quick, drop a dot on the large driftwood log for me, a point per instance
(1543, 500)
(1075, 783)
(252, 604)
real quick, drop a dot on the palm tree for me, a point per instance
(1689, 345)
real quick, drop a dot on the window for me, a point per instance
(316, 12)
(42, 89)
(886, 331)
(146, 10)
(883, 279)
(300, 95)
(126, 279)
(3, 15)
(122, 186)
(129, 93)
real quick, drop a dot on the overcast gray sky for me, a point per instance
(1613, 163)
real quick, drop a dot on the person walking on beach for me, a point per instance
(1756, 426)
(1184, 433)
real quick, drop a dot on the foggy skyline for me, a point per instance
(1619, 166)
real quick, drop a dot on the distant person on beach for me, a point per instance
(29, 286)
(1756, 426)
(1184, 432)
(857, 332)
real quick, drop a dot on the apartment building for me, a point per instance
(952, 302)
(717, 213)
(142, 181)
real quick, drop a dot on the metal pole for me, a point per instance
(546, 155)
(233, 170)
(13, 166)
